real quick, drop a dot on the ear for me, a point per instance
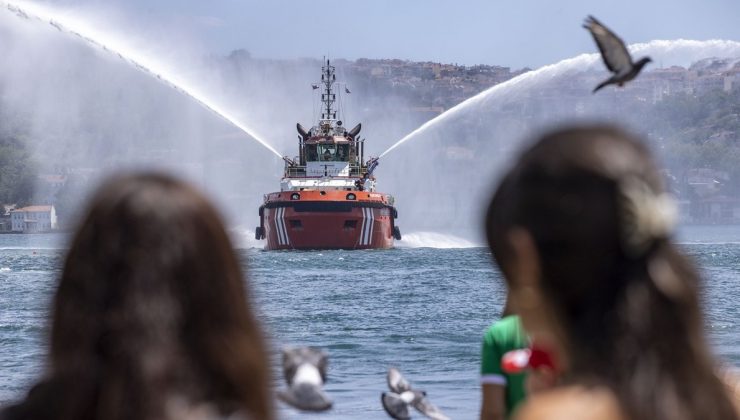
(526, 259)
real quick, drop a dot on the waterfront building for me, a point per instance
(33, 219)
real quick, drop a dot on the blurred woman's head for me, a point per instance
(151, 319)
(498, 221)
(594, 275)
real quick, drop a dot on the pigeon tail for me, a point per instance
(307, 397)
(601, 85)
(428, 409)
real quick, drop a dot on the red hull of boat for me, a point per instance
(327, 220)
(361, 228)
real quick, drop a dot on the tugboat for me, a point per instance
(327, 197)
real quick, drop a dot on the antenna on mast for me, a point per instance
(328, 114)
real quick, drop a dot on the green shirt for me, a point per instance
(501, 337)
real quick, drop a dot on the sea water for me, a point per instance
(423, 310)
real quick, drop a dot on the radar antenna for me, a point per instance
(328, 114)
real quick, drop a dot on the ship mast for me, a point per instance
(328, 115)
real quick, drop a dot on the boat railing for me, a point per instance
(297, 171)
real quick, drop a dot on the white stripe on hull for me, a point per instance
(277, 226)
(368, 225)
(366, 233)
(280, 228)
(362, 228)
(286, 239)
(372, 225)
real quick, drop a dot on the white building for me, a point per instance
(33, 219)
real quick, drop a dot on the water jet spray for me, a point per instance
(146, 65)
(578, 63)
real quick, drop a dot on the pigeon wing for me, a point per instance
(612, 48)
(306, 397)
(422, 404)
(396, 382)
(290, 364)
(322, 364)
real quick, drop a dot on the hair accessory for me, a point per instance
(646, 216)
(517, 361)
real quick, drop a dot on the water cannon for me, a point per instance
(289, 161)
(371, 164)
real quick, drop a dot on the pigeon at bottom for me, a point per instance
(396, 402)
(304, 369)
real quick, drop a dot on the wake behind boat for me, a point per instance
(328, 197)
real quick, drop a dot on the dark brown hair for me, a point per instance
(498, 220)
(630, 313)
(151, 311)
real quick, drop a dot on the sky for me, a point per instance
(519, 33)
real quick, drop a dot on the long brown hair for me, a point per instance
(151, 312)
(498, 220)
(626, 300)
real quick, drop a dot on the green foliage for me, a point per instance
(17, 172)
(700, 131)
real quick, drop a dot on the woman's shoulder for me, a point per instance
(571, 402)
(731, 379)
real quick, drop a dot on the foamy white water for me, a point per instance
(434, 240)
(667, 52)
(148, 64)
(243, 238)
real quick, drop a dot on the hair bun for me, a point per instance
(646, 216)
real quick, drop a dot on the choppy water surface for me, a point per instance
(421, 309)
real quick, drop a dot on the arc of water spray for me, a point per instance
(90, 36)
(575, 63)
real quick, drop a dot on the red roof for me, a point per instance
(32, 209)
(53, 178)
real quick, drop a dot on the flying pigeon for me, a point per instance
(396, 403)
(346, 90)
(615, 54)
(304, 369)
(314, 86)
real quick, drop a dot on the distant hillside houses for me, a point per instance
(429, 84)
(33, 219)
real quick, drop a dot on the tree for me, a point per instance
(17, 172)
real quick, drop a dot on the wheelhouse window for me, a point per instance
(343, 152)
(312, 153)
(327, 152)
